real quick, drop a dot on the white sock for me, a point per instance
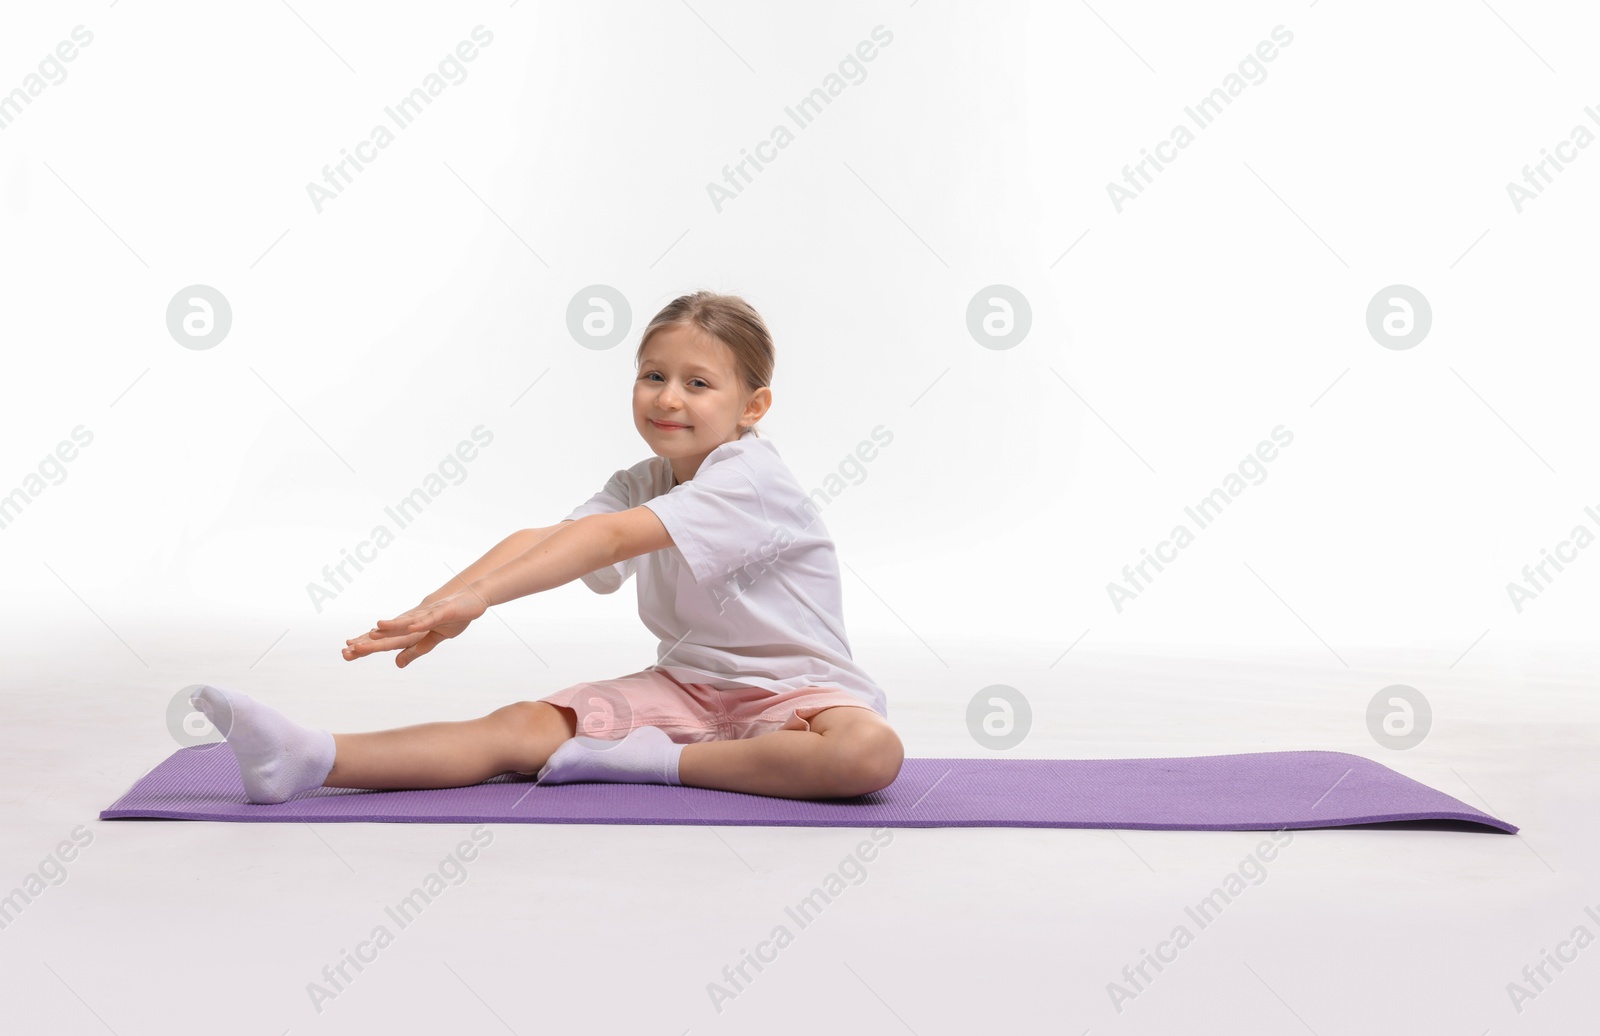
(646, 756)
(277, 757)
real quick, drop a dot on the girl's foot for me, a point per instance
(278, 758)
(646, 756)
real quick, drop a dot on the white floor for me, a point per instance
(176, 927)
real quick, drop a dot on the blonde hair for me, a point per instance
(731, 321)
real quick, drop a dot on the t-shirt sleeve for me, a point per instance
(613, 496)
(717, 520)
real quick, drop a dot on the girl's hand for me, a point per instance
(421, 629)
(364, 645)
(373, 640)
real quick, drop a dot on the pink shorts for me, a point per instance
(690, 712)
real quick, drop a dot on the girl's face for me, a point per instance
(688, 398)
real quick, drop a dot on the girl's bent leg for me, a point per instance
(451, 754)
(848, 751)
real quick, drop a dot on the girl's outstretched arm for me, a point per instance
(573, 549)
(517, 543)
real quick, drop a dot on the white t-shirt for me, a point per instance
(749, 594)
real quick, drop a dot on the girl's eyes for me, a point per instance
(700, 380)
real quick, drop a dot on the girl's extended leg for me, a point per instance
(452, 754)
(848, 751)
(279, 758)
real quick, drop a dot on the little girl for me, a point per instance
(755, 689)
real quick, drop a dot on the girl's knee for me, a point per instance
(885, 754)
(537, 719)
(530, 731)
(868, 759)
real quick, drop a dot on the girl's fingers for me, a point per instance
(410, 622)
(421, 647)
(395, 640)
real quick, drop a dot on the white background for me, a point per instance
(1167, 340)
(1216, 306)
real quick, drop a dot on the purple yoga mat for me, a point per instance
(1252, 792)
